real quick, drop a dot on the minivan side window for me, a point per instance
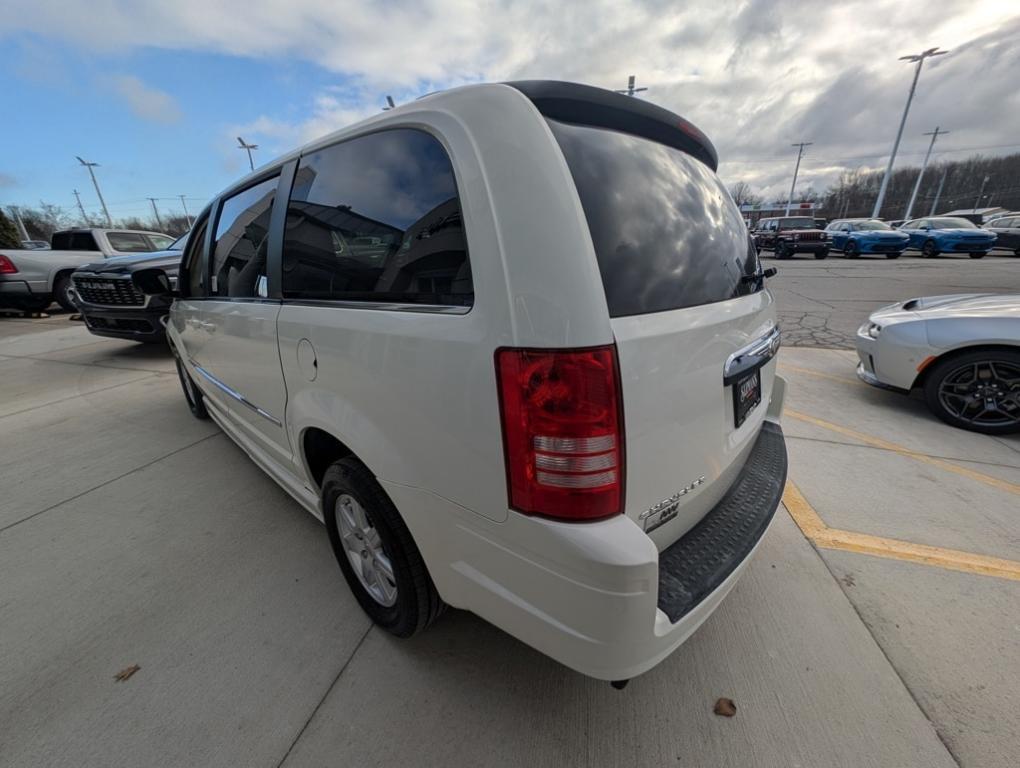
(192, 260)
(242, 241)
(377, 219)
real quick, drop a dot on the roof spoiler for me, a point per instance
(597, 107)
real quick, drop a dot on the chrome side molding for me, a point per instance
(236, 395)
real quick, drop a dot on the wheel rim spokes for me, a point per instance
(364, 549)
(986, 392)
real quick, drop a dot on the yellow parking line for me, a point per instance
(816, 531)
(877, 442)
(811, 372)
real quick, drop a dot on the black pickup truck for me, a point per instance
(112, 306)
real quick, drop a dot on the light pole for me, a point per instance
(796, 170)
(630, 90)
(981, 191)
(155, 212)
(938, 192)
(90, 166)
(919, 58)
(248, 147)
(934, 135)
(187, 215)
(81, 209)
(389, 104)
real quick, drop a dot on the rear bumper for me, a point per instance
(136, 325)
(598, 597)
(13, 290)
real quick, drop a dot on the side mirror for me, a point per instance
(152, 282)
(770, 272)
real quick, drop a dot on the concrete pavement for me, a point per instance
(131, 533)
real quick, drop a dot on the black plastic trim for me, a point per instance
(696, 564)
(597, 107)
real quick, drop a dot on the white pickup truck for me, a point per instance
(32, 280)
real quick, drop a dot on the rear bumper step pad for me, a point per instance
(696, 564)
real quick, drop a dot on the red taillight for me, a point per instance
(562, 431)
(7, 266)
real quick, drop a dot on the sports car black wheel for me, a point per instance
(929, 250)
(979, 391)
(979, 254)
(850, 250)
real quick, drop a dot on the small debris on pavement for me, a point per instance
(725, 707)
(848, 580)
(125, 673)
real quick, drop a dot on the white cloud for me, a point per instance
(755, 75)
(145, 101)
(6, 180)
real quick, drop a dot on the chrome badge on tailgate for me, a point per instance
(666, 509)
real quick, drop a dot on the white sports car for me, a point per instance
(962, 350)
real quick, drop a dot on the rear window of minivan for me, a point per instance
(667, 234)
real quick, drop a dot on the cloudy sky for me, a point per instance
(156, 91)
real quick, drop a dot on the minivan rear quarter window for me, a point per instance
(377, 219)
(667, 234)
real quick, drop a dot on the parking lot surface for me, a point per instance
(877, 626)
(822, 303)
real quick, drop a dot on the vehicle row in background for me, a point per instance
(110, 304)
(31, 280)
(931, 236)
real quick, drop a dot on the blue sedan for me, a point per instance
(948, 234)
(856, 236)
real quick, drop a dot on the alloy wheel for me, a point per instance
(365, 551)
(984, 393)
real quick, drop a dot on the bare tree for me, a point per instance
(742, 194)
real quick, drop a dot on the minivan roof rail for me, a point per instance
(597, 107)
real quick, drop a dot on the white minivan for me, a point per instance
(513, 345)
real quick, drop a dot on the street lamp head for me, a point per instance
(915, 57)
(86, 163)
(246, 145)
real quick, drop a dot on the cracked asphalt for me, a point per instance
(822, 303)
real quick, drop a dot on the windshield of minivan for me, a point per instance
(797, 222)
(951, 222)
(666, 232)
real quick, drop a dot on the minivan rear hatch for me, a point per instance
(686, 297)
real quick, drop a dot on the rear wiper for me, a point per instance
(770, 272)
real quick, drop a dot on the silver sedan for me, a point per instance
(963, 351)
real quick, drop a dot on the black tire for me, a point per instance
(822, 254)
(929, 250)
(63, 292)
(893, 255)
(850, 250)
(781, 252)
(192, 394)
(1017, 252)
(417, 602)
(948, 399)
(979, 254)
